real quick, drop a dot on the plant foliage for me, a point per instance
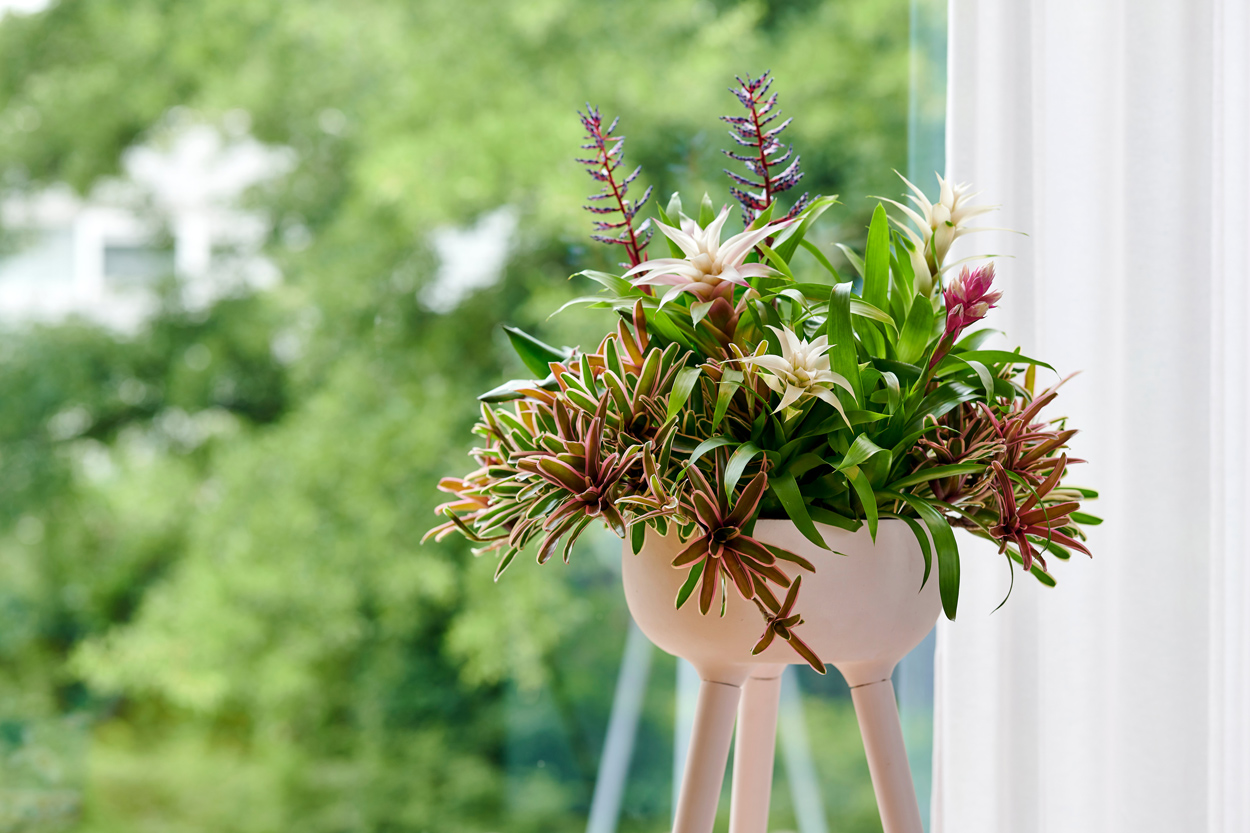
(743, 392)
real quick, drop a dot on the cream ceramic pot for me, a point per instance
(863, 610)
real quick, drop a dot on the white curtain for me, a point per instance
(1116, 133)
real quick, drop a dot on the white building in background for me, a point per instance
(175, 213)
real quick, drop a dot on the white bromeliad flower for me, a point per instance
(801, 370)
(711, 268)
(938, 225)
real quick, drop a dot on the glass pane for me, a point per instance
(215, 610)
(43, 257)
(136, 265)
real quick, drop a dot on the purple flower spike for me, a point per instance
(773, 170)
(607, 154)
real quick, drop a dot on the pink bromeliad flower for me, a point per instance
(711, 268)
(968, 298)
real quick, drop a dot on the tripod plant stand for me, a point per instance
(864, 610)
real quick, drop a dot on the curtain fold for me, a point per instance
(1115, 136)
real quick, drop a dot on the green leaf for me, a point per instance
(707, 212)
(505, 561)
(1036, 570)
(637, 536)
(935, 473)
(509, 390)
(856, 262)
(663, 326)
(613, 283)
(940, 402)
(866, 310)
(698, 311)
(776, 260)
(729, 383)
(738, 464)
(923, 540)
(843, 358)
(787, 491)
(1085, 519)
(973, 341)
(901, 269)
(594, 302)
(674, 206)
(706, 446)
(682, 385)
(860, 451)
(913, 341)
(947, 549)
(983, 376)
(790, 239)
(824, 261)
(827, 516)
(893, 390)
(804, 463)
(877, 260)
(673, 248)
(692, 581)
(998, 357)
(766, 216)
(536, 354)
(863, 489)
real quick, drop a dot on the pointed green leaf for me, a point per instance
(682, 385)
(664, 215)
(863, 489)
(925, 475)
(866, 310)
(843, 358)
(707, 213)
(766, 216)
(859, 452)
(822, 260)
(637, 536)
(913, 341)
(777, 261)
(857, 263)
(738, 464)
(536, 354)
(698, 311)
(692, 581)
(999, 357)
(923, 540)
(973, 341)
(983, 376)
(613, 283)
(787, 491)
(877, 260)
(827, 516)
(706, 446)
(790, 239)
(729, 383)
(947, 549)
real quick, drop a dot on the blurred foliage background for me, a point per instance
(214, 611)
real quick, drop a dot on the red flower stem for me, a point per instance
(636, 256)
(760, 144)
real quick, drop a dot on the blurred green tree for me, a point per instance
(218, 562)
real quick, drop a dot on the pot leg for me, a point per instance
(887, 757)
(708, 754)
(754, 750)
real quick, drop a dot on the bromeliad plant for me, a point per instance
(737, 386)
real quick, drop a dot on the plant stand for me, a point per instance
(864, 611)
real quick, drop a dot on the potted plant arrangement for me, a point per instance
(784, 447)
